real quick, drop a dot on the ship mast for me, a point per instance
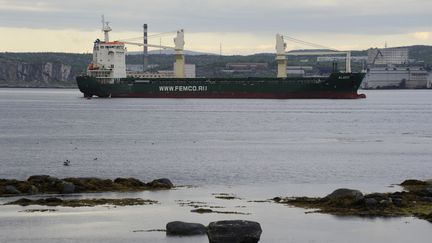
(145, 48)
(106, 29)
(179, 43)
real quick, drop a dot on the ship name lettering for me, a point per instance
(187, 88)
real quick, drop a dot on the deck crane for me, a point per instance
(282, 61)
(179, 65)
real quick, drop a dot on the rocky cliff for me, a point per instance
(35, 74)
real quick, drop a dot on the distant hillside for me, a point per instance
(41, 69)
(208, 65)
(421, 54)
(60, 69)
(78, 62)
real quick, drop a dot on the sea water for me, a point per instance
(255, 149)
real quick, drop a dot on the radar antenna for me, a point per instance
(105, 28)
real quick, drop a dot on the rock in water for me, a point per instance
(345, 195)
(234, 231)
(161, 183)
(413, 182)
(178, 228)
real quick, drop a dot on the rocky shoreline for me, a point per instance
(55, 202)
(45, 184)
(414, 201)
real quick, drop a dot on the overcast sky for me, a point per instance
(242, 26)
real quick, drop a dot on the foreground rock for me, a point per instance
(234, 231)
(415, 200)
(178, 228)
(344, 196)
(163, 183)
(54, 201)
(45, 184)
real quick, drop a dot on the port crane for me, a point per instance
(378, 54)
(281, 54)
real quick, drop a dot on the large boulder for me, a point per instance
(178, 228)
(234, 231)
(413, 182)
(417, 186)
(163, 183)
(344, 197)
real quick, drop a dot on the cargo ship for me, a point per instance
(106, 77)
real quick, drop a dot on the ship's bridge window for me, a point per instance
(102, 47)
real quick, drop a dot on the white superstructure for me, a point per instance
(109, 59)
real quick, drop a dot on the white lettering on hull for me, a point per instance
(191, 88)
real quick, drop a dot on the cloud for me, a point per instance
(423, 36)
(247, 16)
(242, 25)
(24, 6)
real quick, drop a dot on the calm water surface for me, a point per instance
(257, 149)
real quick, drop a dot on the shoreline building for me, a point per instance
(390, 68)
(388, 56)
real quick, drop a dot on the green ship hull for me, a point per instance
(336, 86)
